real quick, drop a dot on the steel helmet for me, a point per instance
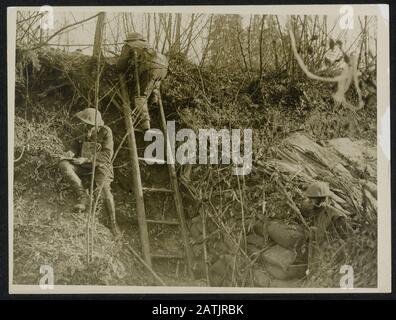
(88, 116)
(134, 36)
(318, 189)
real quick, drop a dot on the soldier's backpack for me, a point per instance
(151, 59)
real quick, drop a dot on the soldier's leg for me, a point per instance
(149, 87)
(154, 87)
(104, 185)
(154, 97)
(70, 172)
(141, 102)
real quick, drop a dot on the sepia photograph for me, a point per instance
(199, 149)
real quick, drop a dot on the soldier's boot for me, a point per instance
(110, 209)
(82, 200)
(154, 98)
(75, 182)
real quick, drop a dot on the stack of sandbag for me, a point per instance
(280, 263)
(287, 236)
(284, 258)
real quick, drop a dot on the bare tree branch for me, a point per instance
(61, 30)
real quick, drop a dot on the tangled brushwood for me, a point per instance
(243, 229)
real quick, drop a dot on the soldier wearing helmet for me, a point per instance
(138, 57)
(81, 162)
(324, 216)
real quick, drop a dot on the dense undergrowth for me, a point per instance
(52, 86)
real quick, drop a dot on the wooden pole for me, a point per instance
(137, 182)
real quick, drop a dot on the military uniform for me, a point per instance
(104, 174)
(152, 66)
(327, 220)
(104, 167)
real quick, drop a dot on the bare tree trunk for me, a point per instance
(177, 34)
(261, 48)
(124, 22)
(169, 31)
(148, 26)
(157, 29)
(190, 33)
(166, 30)
(206, 49)
(248, 42)
(130, 20)
(97, 48)
(281, 38)
(242, 53)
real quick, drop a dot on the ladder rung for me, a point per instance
(176, 223)
(167, 256)
(147, 189)
(152, 160)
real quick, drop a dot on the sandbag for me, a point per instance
(287, 236)
(276, 271)
(260, 228)
(196, 228)
(261, 279)
(294, 283)
(255, 240)
(279, 256)
(219, 271)
(292, 272)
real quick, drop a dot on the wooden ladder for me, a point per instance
(139, 189)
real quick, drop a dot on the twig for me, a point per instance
(227, 233)
(234, 260)
(146, 265)
(20, 157)
(91, 213)
(291, 203)
(205, 251)
(242, 213)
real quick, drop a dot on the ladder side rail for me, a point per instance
(136, 177)
(176, 193)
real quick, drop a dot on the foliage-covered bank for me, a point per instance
(59, 84)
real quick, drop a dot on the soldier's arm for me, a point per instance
(75, 148)
(343, 227)
(340, 220)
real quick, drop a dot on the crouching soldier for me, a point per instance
(81, 163)
(325, 217)
(144, 68)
